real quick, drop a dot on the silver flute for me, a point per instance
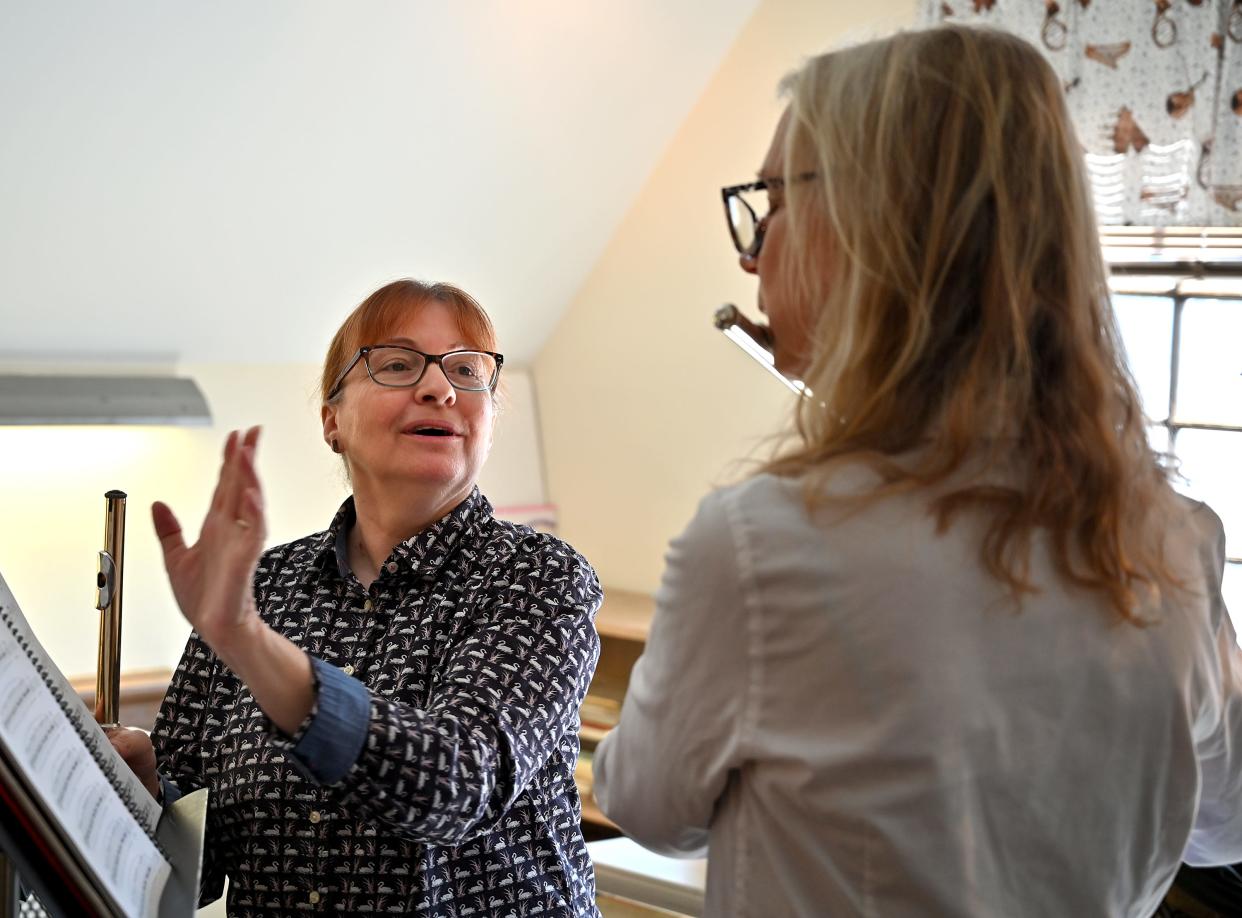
(755, 340)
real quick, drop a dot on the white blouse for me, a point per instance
(848, 713)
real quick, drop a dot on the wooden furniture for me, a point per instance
(623, 622)
(625, 872)
(142, 690)
(611, 906)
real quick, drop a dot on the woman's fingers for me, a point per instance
(167, 530)
(212, 579)
(252, 513)
(134, 746)
(220, 496)
(237, 474)
(247, 467)
(131, 743)
(247, 480)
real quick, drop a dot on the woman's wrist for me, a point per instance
(277, 672)
(241, 646)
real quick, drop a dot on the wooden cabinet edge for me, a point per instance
(591, 734)
(144, 682)
(592, 813)
(142, 690)
(625, 614)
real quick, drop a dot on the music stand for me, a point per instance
(55, 873)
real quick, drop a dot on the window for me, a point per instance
(1177, 296)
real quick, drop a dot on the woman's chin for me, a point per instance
(424, 471)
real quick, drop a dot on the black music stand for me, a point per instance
(32, 849)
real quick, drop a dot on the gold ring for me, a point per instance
(244, 524)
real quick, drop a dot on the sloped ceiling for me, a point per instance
(223, 181)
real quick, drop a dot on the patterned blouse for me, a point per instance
(435, 773)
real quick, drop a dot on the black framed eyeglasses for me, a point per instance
(745, 225)
(400, 367)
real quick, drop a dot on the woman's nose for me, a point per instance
(434, 387)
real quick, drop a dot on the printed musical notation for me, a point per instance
(70, 769)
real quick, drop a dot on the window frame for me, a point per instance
(1178, 265)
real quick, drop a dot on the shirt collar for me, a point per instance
(424, 553)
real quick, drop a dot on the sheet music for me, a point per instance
(45, 744)
(88, 730)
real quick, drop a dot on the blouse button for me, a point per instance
(348, 669)
(368, 606)
(315, 817)
(313, 897)
(392, 567)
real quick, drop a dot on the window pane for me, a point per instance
(1209, 379)
(1233, 596)
(1212, 465)
(1146, 326)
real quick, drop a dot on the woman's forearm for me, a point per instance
(277, 672)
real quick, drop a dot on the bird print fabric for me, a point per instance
(434, 776)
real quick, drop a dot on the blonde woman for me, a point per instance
(959, 650)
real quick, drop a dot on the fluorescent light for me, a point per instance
(55, 400)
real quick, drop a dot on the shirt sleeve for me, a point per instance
(1217, 834)
(328, 740)
(689, 705)
(506, 700)
(177, 737)
(169, 792)
(336, 728)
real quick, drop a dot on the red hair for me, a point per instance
(380, 314)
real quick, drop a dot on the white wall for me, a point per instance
(644, 405)
(172, 172)
(54, 479)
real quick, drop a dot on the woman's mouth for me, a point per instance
(431, 431)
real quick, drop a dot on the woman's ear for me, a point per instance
(331, 436)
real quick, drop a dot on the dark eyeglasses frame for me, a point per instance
(736, 191)
(428, 360)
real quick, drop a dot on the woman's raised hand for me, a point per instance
(213, 578)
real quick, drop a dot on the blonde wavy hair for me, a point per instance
(948, 249)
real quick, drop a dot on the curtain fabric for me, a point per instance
(1155, 91)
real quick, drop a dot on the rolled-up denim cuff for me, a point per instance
(330, 744)
(169, 792)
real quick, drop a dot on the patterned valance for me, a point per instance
(1155, 90)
